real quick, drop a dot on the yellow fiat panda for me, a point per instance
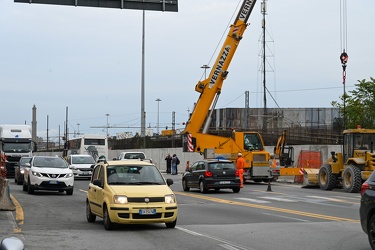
(130, 192)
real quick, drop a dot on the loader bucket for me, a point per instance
(310, 177)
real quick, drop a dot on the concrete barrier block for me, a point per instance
(6, 203)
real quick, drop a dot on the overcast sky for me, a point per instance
(89, 60)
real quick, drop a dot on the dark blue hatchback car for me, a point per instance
(211, 174)
(367, 208)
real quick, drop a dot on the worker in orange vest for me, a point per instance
(240, 165)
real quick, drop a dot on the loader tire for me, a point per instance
(327, 180)
(351, 179)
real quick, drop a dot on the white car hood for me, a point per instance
(81, 165)
(52, 170)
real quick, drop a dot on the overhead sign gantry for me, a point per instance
(157, 5)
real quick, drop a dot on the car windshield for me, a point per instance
(10, 147)
(134, 156)
(24, 160)
(221, 165)
(134, 175)
(83, 160)
(49, 162)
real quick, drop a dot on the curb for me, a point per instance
(6, 203)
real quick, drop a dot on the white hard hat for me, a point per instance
(239, 154)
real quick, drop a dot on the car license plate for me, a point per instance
(147, 211)
(53, 182)
(85, 173)
(225, 182)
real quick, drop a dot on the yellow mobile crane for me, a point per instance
(195, 135)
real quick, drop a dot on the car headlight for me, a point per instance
(22, 171)
(170, 198)
(120, 199)
(69, 175)
(36, 174)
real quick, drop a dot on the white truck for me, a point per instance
(123, 156)
(15, 142)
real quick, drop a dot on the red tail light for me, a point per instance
(208, 174)
(364, 187)
(237, 173)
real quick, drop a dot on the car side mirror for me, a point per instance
(97, 182)
(169, 182)
(12, 243)
(27, 164)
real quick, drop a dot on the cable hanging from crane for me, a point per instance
(343, 39)
(344, 55)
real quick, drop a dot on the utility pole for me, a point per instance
(264, 12)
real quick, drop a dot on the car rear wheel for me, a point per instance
(89, 215)
(108, 224)
(184, 185)
(236, 190)
(171, 224)
(202, 188)
(371, 232)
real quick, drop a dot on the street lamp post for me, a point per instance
(107, 124)
(78, 128)
(205, 67)
(157, 125)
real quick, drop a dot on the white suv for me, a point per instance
(48, 173)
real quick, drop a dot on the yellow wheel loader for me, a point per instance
(353, 166)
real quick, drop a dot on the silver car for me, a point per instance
(19, 169)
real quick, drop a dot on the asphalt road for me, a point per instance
(288, 217)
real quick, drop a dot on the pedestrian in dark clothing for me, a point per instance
(175, 162)
(168, 159)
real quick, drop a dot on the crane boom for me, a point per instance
(210, 88)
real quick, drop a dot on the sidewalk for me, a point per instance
(7, 224)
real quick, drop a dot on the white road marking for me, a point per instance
(278, 199)
(254, 200)
(287, 217)
(326, 198)
(226, 243)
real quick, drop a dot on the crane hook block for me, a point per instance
(344, 58)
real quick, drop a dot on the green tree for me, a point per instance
(359, 105)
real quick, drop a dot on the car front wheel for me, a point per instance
(24, 186)
(371, 232)
(69, 192)
(89, 215)
(171, 224)
(184, 185)
(108, 224)
(30, 188)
